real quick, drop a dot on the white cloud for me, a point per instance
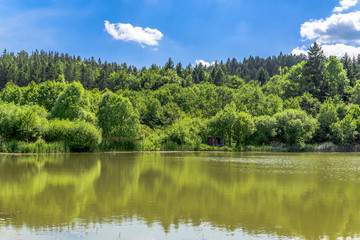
(345, 5)
(334, 33)
(337, 28)
(337, 50)
(298, 50)
(127, 32)
(204, 63)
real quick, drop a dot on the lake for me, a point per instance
(148, 196)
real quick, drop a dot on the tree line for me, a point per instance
(39, 66)
(85, 105)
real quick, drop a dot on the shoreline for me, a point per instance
(171, 151)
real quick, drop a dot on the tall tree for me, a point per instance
(219, 77)
(117, 117)
(179, 69)
(336, 82)
(314, 70)
(169, 64)
(262, 75)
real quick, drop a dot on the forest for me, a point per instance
(52, 102)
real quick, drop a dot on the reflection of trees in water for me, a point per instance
(45, 190)
(302, 195)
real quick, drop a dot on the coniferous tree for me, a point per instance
(313, 71)
(348, 66)
(262, 75)
(179, 69)
(169, 65)
(219, 77)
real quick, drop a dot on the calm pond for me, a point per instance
(152, 196)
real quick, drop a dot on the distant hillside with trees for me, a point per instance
(56, 102)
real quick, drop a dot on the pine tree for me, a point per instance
(169, 65)
(262, 75)
(348, 66)
(219, 77)
(313, 71)
(179, 69)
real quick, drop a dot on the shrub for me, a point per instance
(244, 127)
(80, 136)
(183, 132)
(295, 126)
(11, 93)
(265, 130)
(344, 131)
(24, 123)
(117, 117)
(73, 103)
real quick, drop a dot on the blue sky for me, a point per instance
(142, 32)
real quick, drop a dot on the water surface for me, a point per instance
(180, 196)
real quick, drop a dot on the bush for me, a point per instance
(80, 136)
(295, 126)
(186, 131)
(11, 93)
(117, 117)
(24, 123)
(244, 127)
(48, 92)
(73, 103)
(265, 130)
(344, 131)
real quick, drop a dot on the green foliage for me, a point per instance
(183, 132)
(24, 123)
(355, 93)
(179, 107)
(353, 110)
(262, 75)
(265, 130)
(344, 131)
(47, 93)
(117, 117)
(234, 82)
(278, 85)
(250, 98)
(73, 103)
(153, 115)
(222, 124)
(336, 82)
(296, 85)
(119, 145)
(295, 126)
(244, 127)
(11, 93)
(40, 146)
(327, 116)
(309, 104)
(314, 71)
(79, 136)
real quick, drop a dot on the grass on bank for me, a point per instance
(41, 146)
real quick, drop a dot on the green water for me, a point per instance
(180, 196)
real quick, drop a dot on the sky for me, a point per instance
(143, 32)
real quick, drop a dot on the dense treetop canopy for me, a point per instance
(291, 100)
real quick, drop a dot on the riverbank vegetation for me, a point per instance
(53, 102)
